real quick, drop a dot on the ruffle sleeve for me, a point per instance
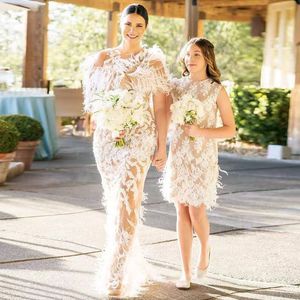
(89, 79)
(151, 75)
(160, 78)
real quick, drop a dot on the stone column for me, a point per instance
(294, 115)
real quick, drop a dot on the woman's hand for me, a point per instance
(191, 130)
(159, 159)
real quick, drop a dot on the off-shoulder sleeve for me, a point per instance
(159, 81)
(89, 79)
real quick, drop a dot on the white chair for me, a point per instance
(68, 103)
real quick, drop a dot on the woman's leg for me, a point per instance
(185, 238)
(201, 227)
(131, 194)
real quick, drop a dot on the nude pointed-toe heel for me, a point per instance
(199, 274)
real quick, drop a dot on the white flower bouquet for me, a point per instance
(187, 110)
(118, 110)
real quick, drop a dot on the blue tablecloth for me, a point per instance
(41, 108)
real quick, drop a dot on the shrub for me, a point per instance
(261, 114)
(9, 137)
(29, 128)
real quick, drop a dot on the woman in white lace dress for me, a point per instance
(192, 171)
(123, 170)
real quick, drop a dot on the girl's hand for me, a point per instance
(159, 159)
(191, 130)
(94, 124)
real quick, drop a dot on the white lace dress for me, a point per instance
(123, 170)
(192, 171)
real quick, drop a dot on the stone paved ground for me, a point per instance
(51, 231)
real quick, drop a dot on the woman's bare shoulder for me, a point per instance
(102, 56)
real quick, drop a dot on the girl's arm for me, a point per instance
(169, 101)
(228, 129)
(159, 104)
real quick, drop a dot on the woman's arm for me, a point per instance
(228, 129)
(160, 113)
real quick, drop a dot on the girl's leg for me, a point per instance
(201, 227)
(185, 238)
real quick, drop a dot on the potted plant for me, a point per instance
(9, 138)
(31, 132)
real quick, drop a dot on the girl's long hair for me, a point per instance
(207, 49)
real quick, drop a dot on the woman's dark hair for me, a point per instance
(136, 9)
(207, 49)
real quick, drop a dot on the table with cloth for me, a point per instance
(39, 107)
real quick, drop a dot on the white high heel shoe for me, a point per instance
(199, 274)
(183, 283)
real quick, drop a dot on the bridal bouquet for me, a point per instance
(118, 110)
(188, 110)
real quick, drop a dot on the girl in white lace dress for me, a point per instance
(123, 170)
(192, 171)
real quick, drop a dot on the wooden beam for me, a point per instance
(227, 10)
(35, 60)
(233, 3)
(236, 15)
(159, 8)
(103, 4)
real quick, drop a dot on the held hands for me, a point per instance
(191, 130)
(159, 159)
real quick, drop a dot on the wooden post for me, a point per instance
(294, 115)
(191, 19)
(112, 26)
(35, 60)
(200, 31)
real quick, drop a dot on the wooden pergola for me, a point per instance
(195, 12)
(279, 19)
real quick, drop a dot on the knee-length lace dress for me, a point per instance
(191, 175)
(123, 170)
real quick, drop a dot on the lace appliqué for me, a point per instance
(145, 72)
(191, 175)
(123, 170)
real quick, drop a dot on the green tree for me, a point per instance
(12, 41)
(239, 56)
(168, 34)
(74, 32)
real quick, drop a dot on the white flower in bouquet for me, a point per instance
(187, 110)
(118, 110)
